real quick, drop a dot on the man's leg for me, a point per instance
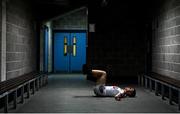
(100, 75)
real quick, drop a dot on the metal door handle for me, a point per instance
(74, 46)
(65, 46)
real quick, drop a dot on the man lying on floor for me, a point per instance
(109, 91)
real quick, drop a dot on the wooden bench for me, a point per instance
(32, 81)
(163, 81)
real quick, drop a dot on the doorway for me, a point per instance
(69, 51)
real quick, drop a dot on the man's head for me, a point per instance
(129, 91)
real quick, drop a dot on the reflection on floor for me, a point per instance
(73, 93)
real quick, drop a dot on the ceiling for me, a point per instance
(47, 9)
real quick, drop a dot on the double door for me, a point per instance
(69, 51)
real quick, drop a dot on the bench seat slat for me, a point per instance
(166, 79)
(11, 84)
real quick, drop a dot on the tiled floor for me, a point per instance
(73, 93)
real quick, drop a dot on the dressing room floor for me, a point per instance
(68, 93)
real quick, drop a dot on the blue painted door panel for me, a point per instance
(70, 62)
(80, 58)
(61, 61)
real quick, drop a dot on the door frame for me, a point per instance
(46, 51)
(68, 31)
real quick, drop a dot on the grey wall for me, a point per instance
(0, 17)
(3, 41)
(0, 28)
(75, 20)
(119, 38)
(166, 40)
(21, 41)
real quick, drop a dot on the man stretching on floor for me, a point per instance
(110, 91)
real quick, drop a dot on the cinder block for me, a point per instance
(11, 29)
(177, 11)
(13, 66)
(175, 3)
(172, 58)
(11, 75)
(76, 20)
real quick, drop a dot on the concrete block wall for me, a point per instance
(166, 40)
(0, 28)
(20, 39)
(123, 52)
(118, 39)
(128, 55)
(75, 20)
(0, 18)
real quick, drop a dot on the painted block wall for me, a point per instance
(0, 18)
(166, 40)
(119, 38)
(75, 20)
(0, 27)
(21, 40)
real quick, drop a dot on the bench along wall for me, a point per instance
(166, 40)
(20, 38)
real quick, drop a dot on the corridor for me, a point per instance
(56, 41)
(72, 93)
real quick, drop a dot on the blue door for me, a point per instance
(69, 52)
(61, 55)
(78, 55)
